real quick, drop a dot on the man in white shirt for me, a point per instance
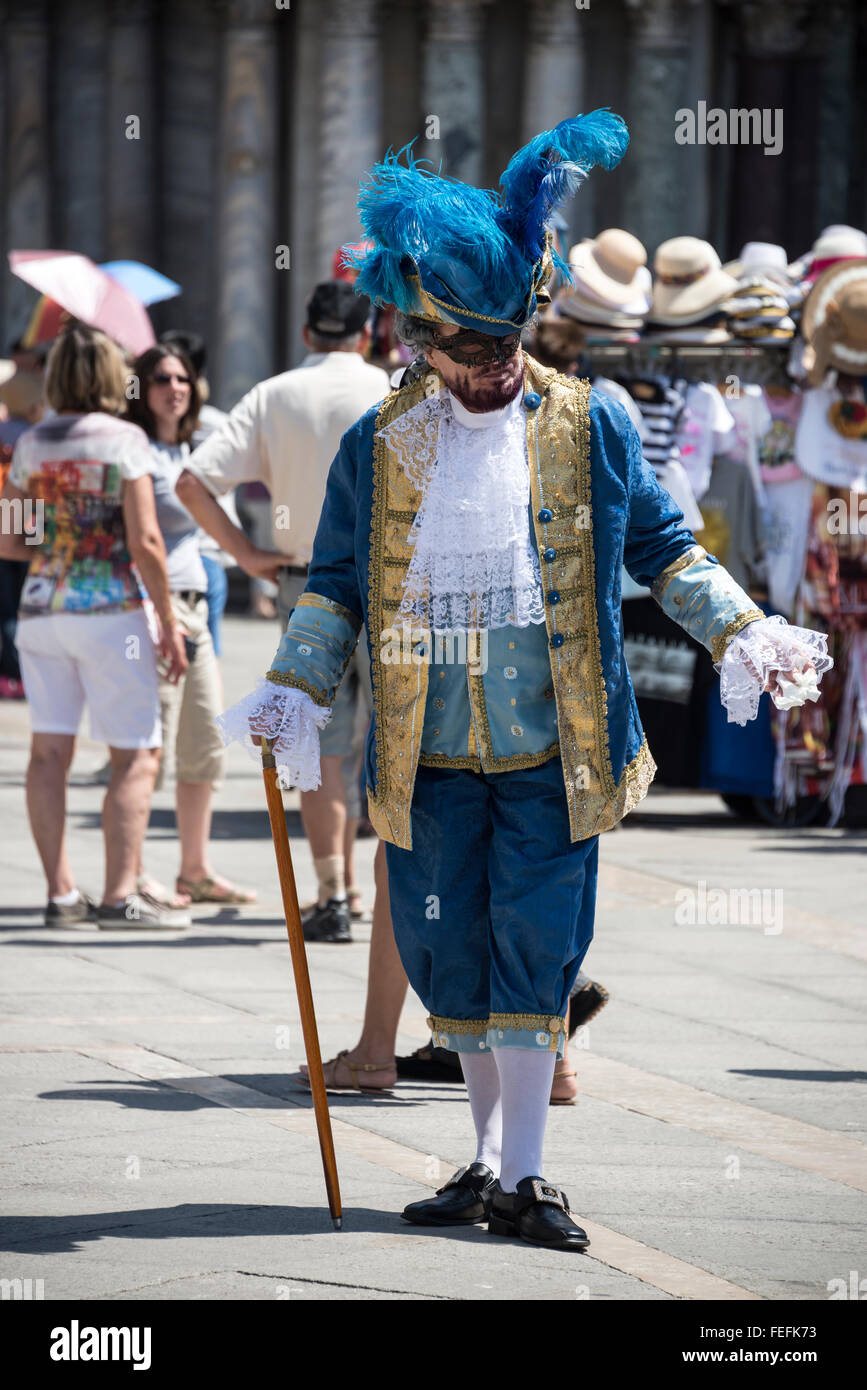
(285, 433)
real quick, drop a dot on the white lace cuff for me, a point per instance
(797, 657)
(291, 719)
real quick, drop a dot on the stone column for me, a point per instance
(299, 225)
(453, 95)
(132, 137)
(774, 196)
(336, 136)
(28, 199)
(659, 201)
(834, 33)
(246, 283)
(78, 81)
(349, 120)
(554, 88)
(26, 202)
(189, 86)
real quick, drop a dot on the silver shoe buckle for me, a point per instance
(544, 1192)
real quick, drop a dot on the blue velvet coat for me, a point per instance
(596, 505)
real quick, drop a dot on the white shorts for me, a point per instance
(106, 661)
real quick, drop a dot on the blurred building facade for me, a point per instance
(253, 120)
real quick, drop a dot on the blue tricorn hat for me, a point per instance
(450, 253)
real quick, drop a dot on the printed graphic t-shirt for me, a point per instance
(75, 467)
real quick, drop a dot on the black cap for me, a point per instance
(335, 311)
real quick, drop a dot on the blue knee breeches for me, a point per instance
(493, 907)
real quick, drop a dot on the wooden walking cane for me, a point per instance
(292, 914)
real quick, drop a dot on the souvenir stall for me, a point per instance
(759, 431)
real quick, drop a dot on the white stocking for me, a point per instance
(483, 1088)
(525, 1088)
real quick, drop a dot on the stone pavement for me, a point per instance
(155, 1145)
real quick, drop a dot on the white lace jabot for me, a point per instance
(473, 563)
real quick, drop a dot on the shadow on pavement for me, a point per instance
(66, 1234)
(263, 1089)
(226, 824)
(802, 1075)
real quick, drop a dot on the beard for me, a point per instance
(481, 390)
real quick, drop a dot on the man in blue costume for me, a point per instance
(476, 522)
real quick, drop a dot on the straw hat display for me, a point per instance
(611, 269)
(759, 309)
(689, 282)
(834, 322)
(835, 243)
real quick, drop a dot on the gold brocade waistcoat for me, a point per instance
(558, 451)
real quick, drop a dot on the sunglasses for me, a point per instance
(166, 379)
(472, 349)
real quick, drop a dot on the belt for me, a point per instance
(299, 571)
(190, 596)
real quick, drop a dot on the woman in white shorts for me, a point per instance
(80, 483)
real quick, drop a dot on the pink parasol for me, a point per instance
(86, 293)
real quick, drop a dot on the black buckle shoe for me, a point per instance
(328, 923)
(429, 1063)
(465, 1199)
(538, 1213)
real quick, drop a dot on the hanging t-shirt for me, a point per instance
(733, 529)
(661, 404)
(620, 393)
(75, 467)
(752, 420)
(705, 428)
(831, 441)
(787, 500)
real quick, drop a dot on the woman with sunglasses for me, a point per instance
(167, 408)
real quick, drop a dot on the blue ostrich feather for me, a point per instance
(551, 167)
(408, 209)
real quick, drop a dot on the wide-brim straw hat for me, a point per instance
(613, 268)
(574, 305)
(764, 259)
(834, 321)
(835, 243)
(689, 281)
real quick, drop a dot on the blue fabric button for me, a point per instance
(532, 400)
(558, 639)
(549, 554)
(545, 515)
(553, 596)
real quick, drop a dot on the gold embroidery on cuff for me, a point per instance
(721, 641)
(664, 578)
(475, 1026)
(318, 694)
(320, 601)
(544, 1023)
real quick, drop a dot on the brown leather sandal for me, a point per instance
(353, 1068)
(212, 890)
(560, 1076)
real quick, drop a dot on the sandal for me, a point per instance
(560, 1075)
(356, 910)
(215, 890)
(158, 893)
(331, 1084)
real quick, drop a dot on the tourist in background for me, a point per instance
(83, 636)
